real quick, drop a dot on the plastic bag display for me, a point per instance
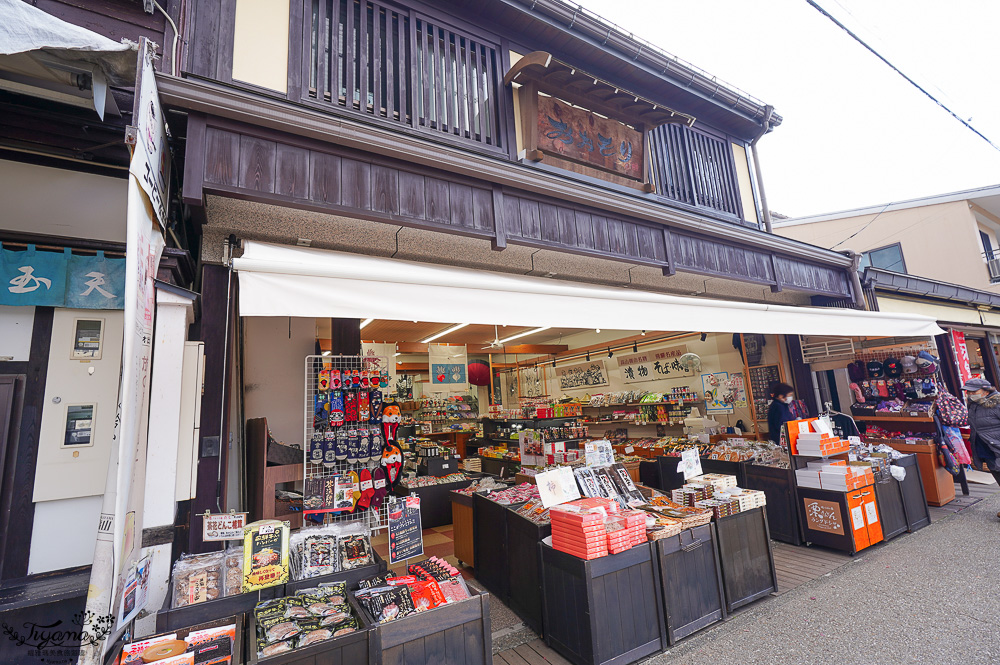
(233, 570)
(198, 578)
(309, 617)
(328, 549)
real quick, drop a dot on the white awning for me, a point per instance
(278, 280)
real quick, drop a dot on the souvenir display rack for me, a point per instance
(359, 425)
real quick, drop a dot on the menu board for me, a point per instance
(761, 379)
(406, 540)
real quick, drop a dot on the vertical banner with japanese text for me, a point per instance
(962, 355)
(119, 533)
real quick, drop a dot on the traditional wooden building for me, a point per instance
(517, 137)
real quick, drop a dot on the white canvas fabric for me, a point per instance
(278, 280)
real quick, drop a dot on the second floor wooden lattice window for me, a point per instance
(401, 67)
(695, 168)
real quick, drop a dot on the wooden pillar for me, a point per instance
(801, 375)
(214, 330)
(949, 365)
(345, 337)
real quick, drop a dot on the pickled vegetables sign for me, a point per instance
(265, 554)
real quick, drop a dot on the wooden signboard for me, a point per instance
(585, 137)
(824, 516)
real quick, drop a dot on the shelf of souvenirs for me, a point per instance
(895, 418)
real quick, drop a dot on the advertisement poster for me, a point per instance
(531, 448)
(135, 592)
(653, 364)
(406, 540)
(717, 390)
(599, 453)
(265, 554)
(582, 376)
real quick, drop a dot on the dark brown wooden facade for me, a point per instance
(429, 77)
(263, 165)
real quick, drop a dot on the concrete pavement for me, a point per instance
(927, 597)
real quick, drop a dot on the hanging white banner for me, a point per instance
(119, 531)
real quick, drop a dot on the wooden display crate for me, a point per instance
(490, 546)
(778, 485)
(604, 611)
(689, 581)
(357, 647)
(890, 508)
(350, 577)
(453, 634)
(746, 558)
(914, 500)
(524, 584)
(176, 618)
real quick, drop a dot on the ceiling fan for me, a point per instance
(496, 343)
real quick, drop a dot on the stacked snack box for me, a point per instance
(578, 527)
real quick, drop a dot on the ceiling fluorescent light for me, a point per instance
(365, 323)
(524, 334)
(443, 333)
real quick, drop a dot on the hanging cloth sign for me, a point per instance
(61, 279)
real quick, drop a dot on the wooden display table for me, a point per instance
(939, 485)
(435, 501)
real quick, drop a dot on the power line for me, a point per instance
(897, 70)
(884, 208)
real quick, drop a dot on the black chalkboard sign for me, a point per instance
(406, 540)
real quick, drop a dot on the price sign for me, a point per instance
(223, 526)
(406, 540)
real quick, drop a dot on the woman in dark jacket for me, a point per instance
(780, 411)
(984, 421)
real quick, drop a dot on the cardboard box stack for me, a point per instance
(835, 475)
(716, 480)
(820, 445)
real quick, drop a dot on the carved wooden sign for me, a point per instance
(585, 137)
(823, 516)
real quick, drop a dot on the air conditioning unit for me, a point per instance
(823, 349)
(993, 265)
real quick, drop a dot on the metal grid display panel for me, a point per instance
(337, 446)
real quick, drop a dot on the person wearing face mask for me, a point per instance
(984, 421)
(780, 410)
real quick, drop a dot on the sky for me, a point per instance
(854, 133)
